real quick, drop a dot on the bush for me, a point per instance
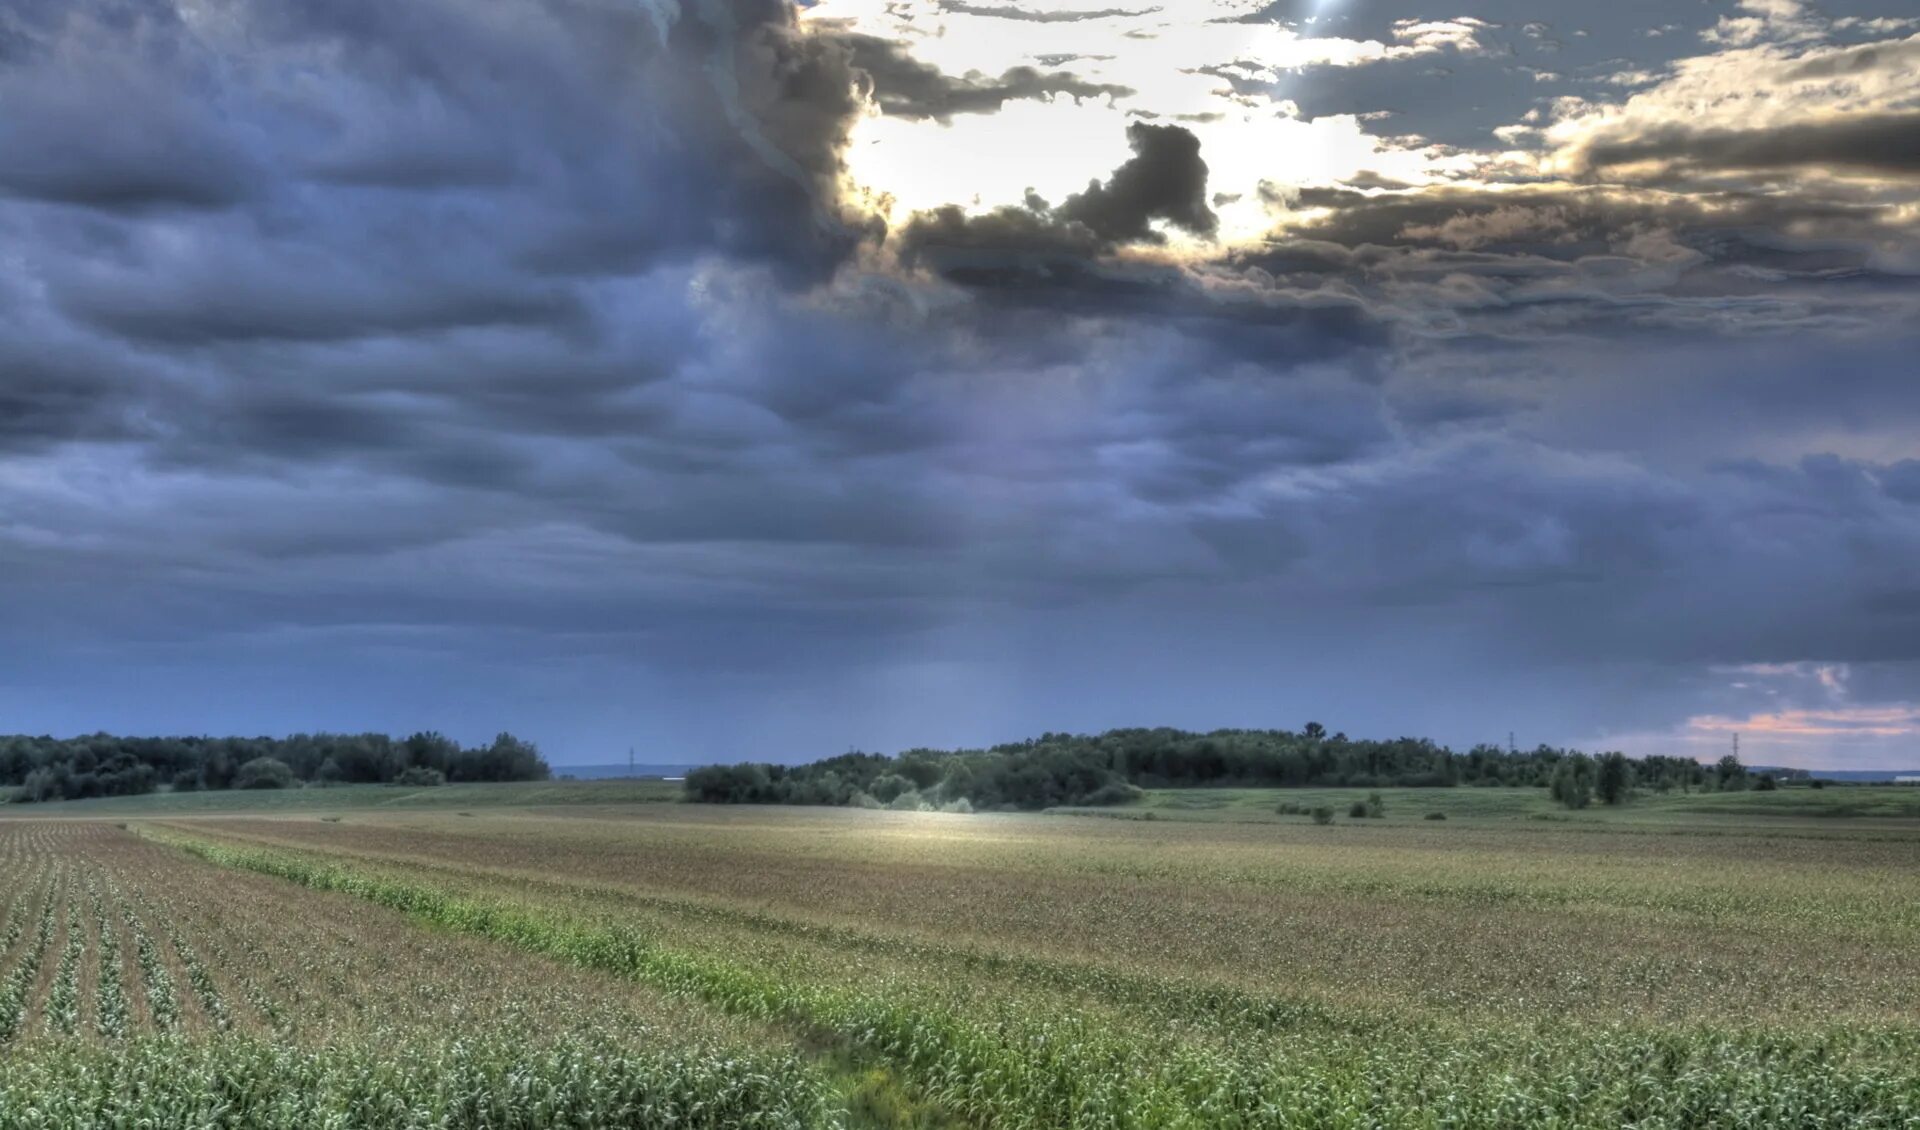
(1376, 806)
(1357, 810)
(908, 801)
(863, 800)
(1323, 815)
(1114, 792)
(1613, 778)
(1572, 783)
(421, 776)
(264, 773)
(1290, 808)
(1435, 816)
(962, 806)
(1818, 783)
(186, 781)
(1766, 783)
(889, 787)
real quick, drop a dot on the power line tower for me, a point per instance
(1511, 748)
(629, 761)
(1736, 746)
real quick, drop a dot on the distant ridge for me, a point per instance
(614, 771)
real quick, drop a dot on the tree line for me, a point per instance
(45, 768)
(1111, 768)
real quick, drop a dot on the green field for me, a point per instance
(1696, 811)
(576, 958)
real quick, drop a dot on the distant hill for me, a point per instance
(1863, 775)
(620, 770)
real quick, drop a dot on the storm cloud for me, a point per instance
(574, 367)
(904, 86)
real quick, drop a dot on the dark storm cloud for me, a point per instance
(1165, 179)
(528, 346)
(1875, 143)
(905, 87)
(96, 123)
(1467, 270)
(51, 399)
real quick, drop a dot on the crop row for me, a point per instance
(220, 998)
(1027, 1057)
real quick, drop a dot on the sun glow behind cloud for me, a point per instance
(1179, 69)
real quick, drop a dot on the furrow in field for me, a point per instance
(113, 1017)
(1018, 1054)
(60, 1012)
(22, 983)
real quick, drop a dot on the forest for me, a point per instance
(45, 768)
(1111, 768)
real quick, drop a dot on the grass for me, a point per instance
(1689, 812)
(1218, 966)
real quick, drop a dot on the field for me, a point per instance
(530, 962)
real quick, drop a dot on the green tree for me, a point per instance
(264, 773)
(1573, 781)
(1732, 775)
(1612, 779)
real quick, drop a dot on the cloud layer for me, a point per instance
(575, 366)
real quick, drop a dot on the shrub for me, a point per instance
(1376, 806)
(1613, 778)
(422, 776)
(908, 801)
(1573, 781)
(890, 786)
(863, 800)
(264, 773)
(1435, 816)
(1766, 783)
(962, 806)
(1357, 810)
(1290, 808)
(1113, 792)
(1323, 815)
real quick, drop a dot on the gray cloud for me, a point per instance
(905, 87)
(1874, 143)
(476, 356)
(1165, 179)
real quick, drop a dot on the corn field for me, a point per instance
(845, 968)
(141, 992)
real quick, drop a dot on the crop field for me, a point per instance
(687, 965)
(142, 987)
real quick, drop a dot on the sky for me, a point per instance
(729, 379)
